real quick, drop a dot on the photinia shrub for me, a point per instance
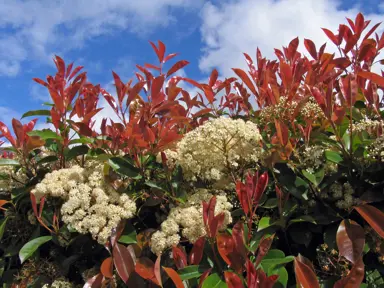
(272, 178)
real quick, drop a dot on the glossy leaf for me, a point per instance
(375, 78)
(107, 267)
(2, 227)
(373, 216)
(45, 134)
(214, 281)
(305, 274)
(350, 239)
(174, 276)
(37, 113)
(146, 269)
(8, 162)
(179, 257)
(30, 247)
(177, 66)
(94, 282)
(123, 261)
(124, 167)
(232, 280)
(197, 251)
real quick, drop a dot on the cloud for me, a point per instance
(36, 29)
(233, 27)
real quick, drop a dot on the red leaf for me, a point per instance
(354, 277)
(232, 280)
(371, 31)
(174, 276)
(40, 82)
(264, 246)
(305, 275)
(148, 65)
(197, 251)
(123, 261)
(331, 36)
(146, 269)
(157, 270)
(161, 50)
(19, 131)
(34, 205)
(169, 57)
(311, 48)
(60, 65)
(179, 257)
(244, 77)
(213, 77)
(225, 246)
(107, 268)
(350, 240)
(134, 91)
(5, 131)
(156, 87)
(75, 71)
(177, 66)
(95, 281)
(379, 80)
(373, 216)
(42, 201)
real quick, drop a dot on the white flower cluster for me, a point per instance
(284, 110)
(376, 149)
(10, 179)
(217, 146)
(60, 283)
(312, 158)
(90, 204)
(189, 218)
(368, 125)
(311, 109)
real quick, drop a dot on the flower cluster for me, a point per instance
(376, 149)
(368, 125)
(189, 218)
(60, 283)
(90, 204)
(9, 178)
(343, 194)
(218, 146)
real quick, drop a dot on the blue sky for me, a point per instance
(113, 35)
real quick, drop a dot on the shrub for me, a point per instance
(270, 179)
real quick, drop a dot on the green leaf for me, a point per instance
(82, 140)
(155, 185)
(214, 281)
(8, 162)
(123, 167)
(78, 151)
(283, 276)
(29, 248)
(129, 235)
(37, 113)
(2, 227)
(310, 177)
(270, 203)
(48, 159)
(264, 222)
(333, 156)
(191, 272)
(45, 134)
(304, 218)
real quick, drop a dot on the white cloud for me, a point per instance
(233, 27)
(39, 28)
